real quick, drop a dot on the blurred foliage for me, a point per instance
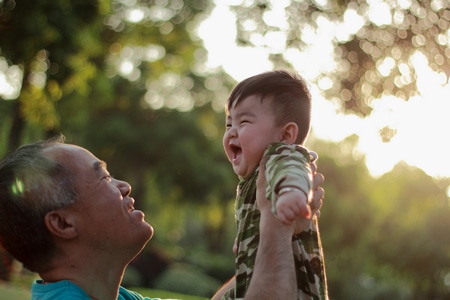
(384, 238)
(188, 280)
(127, 80)
(373, 42)
(7, 293)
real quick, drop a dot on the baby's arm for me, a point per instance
(289, 181)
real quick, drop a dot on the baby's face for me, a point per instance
(250, 128)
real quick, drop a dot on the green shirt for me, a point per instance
(286, 166)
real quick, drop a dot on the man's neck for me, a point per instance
(99, 281)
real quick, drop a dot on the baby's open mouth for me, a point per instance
(236, 151)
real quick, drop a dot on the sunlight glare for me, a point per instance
(385, 66)
(135, 15)
(126, 67)
(276, 16)
(352, 22)
(5, 87)
(276, 41)
(419, 124)
(327, 114)
(10, 80)
(404, 4)
(379, 12)
(219, 33)
(318, 56)
(437, 5)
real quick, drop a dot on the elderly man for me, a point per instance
(63, 216)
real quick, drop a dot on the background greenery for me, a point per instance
(137, 93)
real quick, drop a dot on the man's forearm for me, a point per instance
(274, 273)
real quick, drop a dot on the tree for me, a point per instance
(375, 46)
(120, 78)
(69, 52)
(383, 238)
(416, 229)
(50, 49)
(115, 66)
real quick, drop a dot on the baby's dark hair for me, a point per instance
(288, 94)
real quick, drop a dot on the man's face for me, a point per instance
(103, 212)
(250, 128)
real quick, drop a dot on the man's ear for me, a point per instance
(289, 133)
(60, 224)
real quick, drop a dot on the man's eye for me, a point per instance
(108, 178)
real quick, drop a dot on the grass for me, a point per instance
(8, 292)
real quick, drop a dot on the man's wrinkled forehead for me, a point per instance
(60, 152)
(71, 156)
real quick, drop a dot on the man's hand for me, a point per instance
(318, 191)
(316, 202)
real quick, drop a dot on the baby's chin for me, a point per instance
(244, 174)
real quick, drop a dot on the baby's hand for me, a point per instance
(291, 205)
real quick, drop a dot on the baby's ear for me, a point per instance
(289, 133)
(60, 224)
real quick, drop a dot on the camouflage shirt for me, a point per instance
(286, 166)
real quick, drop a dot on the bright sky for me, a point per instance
(422, 123)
